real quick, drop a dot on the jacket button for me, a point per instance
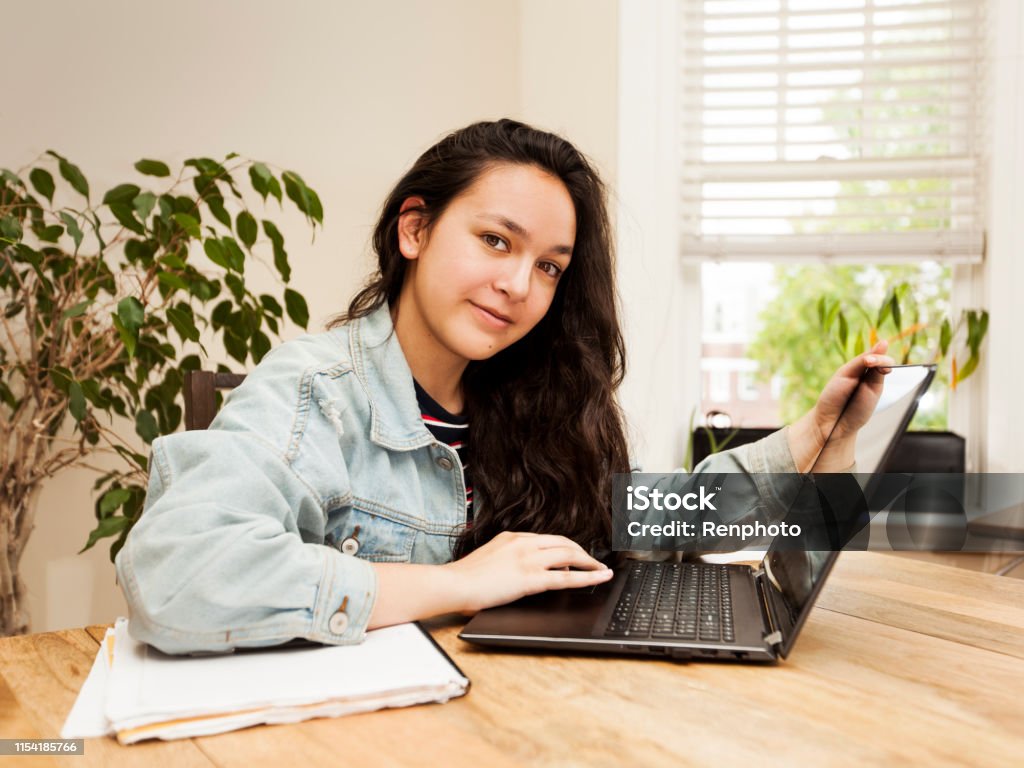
(350, 545)
(445, 463)
(338, 623)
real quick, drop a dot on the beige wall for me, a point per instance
(346, 93)
(1003, 365)
(569, 74)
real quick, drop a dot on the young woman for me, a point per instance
(447, 445)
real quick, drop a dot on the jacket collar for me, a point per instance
(395, 420)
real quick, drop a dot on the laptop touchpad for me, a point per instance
(558, 613)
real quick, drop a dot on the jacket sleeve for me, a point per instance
(768, 463)
(225, 553)
(229, 550)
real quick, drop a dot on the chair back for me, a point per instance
(201, 395)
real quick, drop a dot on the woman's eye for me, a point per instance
(496, 242)
(552, 269)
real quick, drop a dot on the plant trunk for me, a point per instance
(17, 512)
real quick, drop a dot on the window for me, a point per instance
(748, 387)
(817, 133)
(719, 383)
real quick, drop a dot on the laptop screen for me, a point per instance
(796, 576)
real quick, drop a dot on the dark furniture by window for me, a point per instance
(915, 452)
(201, 395)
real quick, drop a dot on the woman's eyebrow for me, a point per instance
(520, 230)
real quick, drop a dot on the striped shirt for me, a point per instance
(451, 429)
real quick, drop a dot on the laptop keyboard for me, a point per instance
(674, 601)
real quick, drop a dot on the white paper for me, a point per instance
(86, 718)
(146, 694)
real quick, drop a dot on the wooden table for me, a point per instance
(901, 661)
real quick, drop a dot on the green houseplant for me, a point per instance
(822, 315)
(97, 299)
(913, 337)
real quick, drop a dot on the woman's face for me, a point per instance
(487, 272)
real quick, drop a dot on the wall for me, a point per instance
(569, 74)
(1003, 369)
(660, 298)
(347, 94)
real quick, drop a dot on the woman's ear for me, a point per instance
(412, 228)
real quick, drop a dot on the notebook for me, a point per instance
(136, 692)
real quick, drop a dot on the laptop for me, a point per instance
(701, 610)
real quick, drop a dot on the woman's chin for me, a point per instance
(482, 349)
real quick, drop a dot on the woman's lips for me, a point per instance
(492, 317)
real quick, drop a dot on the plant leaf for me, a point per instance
(76, 401)
(50, 234)
(260, 177)
(305, 199)
(216, 205)
(830, 315)
(77, 310)
(885, 311)
(131, 313)
(234, 254)
(215, 252)
(144, 203)
(972, 331)
(247, 229)
(183, 323)
(270, 305)
(221, 313)
(128, 338)
(61, 378)
(43, 182)
(113, 499)
(296, 307)
(73, 229)
(968, 369)
(235, 346)
(260, 345)
(172, 281)
(274, 186)
(152, 168)
(945, 336)
(236, 286)
(146, 426)
(280, 255)
(71, 174)
(189, 224)
(108, 526)
(122, 193)
(11, 229)
(124, 213)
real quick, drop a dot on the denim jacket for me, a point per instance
(263, 527)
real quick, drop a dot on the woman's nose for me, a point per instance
(514, 279)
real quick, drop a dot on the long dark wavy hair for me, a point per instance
(546, 432)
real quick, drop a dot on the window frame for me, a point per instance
(647, 228)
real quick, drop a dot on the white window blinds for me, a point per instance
(845, 129)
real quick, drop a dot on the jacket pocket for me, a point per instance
(373, 537)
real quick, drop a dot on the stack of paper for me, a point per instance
(137, 692)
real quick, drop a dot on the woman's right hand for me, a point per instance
(515, 564)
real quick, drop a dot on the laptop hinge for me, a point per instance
(773, 636)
